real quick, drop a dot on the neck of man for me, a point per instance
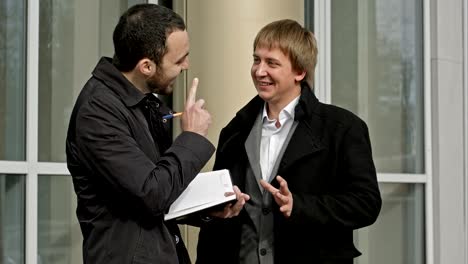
(137, 81)
(274, 107)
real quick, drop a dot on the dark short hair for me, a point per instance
(293, 40)
(142, 32)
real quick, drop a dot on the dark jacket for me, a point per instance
(123, 184)
(329, 170)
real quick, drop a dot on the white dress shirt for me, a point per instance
(273, 138)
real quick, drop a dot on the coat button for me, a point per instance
(265, 211)
(176, 239)
(263, 252)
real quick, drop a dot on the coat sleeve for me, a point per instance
(107, 147)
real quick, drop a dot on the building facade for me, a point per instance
(401, 65)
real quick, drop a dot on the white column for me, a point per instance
(448, 132)
(221, 47)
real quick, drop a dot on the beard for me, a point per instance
(156, 87)
(159, 83)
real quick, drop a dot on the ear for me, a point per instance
(300, 76)
(146, 67)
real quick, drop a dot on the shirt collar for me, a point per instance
(286, 113)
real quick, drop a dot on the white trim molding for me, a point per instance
(13, 167)
(429, 199)
(465, 120)
(322, 28)
(32, 106)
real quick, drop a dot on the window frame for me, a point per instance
(322, 28)
(32, 167)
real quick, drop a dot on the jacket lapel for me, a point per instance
(305, 141)
(252, 148)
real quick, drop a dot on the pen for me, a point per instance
(169, 116)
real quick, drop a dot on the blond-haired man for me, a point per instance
(306, 167)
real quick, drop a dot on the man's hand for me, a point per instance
(283, 197)
(195, 118)
(231, 210)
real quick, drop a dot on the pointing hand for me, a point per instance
(195, 118)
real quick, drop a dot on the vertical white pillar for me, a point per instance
(221, 47)
(32, 129)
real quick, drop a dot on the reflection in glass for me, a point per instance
(377, 72)
(73, 35)
(59, 236)
(12, 79)
(398, 235)
(12, 220)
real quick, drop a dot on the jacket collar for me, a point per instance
(310, 127)
(116, 81)
(307, 103)
(306, 106)
(240, 126)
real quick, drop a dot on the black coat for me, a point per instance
(329, 169)
(124, 185)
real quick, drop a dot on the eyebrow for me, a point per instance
(181, 58)
(267, 58)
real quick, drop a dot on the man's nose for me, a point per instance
(260, 70)
(185, 64)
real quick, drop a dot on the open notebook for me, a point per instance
(206, 190)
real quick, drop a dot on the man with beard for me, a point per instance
(126, 171)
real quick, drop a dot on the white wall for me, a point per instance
(448, 132)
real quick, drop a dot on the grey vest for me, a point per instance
(257, 239)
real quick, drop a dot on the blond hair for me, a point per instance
(294, 41)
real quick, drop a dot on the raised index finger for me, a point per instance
(192, 94)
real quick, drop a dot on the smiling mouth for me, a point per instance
(264, 83)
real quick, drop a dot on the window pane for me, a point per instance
(398, 235)
(12, 79)
(59, 235)
(12, 221)
(377, 72)
(73, 35)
